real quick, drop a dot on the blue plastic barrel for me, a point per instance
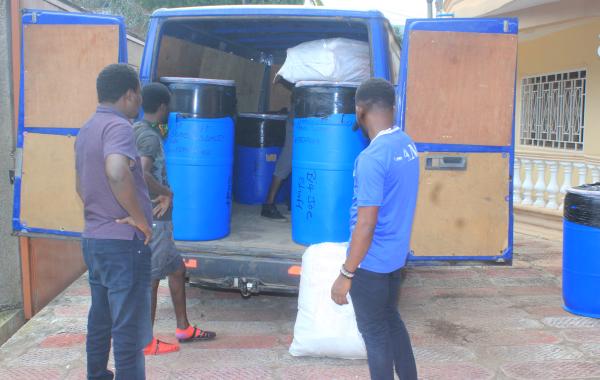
(259, 140)
(581, 251)
(324, 151)
(199, 155)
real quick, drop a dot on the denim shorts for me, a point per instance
(165, 257)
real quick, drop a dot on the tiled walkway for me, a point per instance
(466, 323)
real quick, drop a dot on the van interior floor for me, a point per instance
(251, 234)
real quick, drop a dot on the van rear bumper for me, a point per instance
(247, 273)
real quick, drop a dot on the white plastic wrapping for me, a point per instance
(334, 60)
(323, 328)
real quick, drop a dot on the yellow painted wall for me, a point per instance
(566, 48)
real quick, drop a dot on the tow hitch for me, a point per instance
(247, 286)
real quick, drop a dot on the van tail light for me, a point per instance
(295, 270)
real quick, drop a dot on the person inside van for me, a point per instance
(166, 260)
(386, 180)
(283, 166)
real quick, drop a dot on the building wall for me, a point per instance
(11, 300)
(565, 47)
(10, 273)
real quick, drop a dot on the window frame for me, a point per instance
(558, 90)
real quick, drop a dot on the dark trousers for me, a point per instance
(119, 276)
(375, 300)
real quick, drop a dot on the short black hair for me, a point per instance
(376, 92)
(114, 81)
(153, 95)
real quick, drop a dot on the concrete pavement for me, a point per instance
(466, 323)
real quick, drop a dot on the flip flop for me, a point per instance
(158, 347)
(197, 334)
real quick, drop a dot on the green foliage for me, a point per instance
(155, 4)
(137, 12)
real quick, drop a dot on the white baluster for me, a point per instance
(540, 185)
(581, 172)
(527, 183)
(552, 188)
(517, 182)
(567, 179)
(595, 172)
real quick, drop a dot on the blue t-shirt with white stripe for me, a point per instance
(386, 174)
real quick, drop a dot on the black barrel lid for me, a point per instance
(184, 80)
(582, 205)
(265, 116)
(314, 83)
(590, 190)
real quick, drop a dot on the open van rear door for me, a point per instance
(61, 56)
(456, 100)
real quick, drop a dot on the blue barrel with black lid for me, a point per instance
(581, 250)
(325, 148)
(259, 139)
(199, 155)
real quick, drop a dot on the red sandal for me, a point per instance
(158, 347)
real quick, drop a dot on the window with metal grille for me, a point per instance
(552, 110)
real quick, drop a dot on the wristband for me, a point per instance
(349, 275)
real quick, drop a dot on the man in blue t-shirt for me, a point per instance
(386, 179)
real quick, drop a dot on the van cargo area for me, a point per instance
(259, 254)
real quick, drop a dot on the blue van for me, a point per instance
(455, 83)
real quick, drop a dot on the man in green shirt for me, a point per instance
(166, 260)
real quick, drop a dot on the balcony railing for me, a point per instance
(542, 179)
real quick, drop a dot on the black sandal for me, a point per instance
(198, 335)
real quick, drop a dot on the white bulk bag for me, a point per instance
(324, 328)
(332, 60)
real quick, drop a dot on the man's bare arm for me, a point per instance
(122, 186)
(153, 185)
(362, 237)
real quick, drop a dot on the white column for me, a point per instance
(552, 188)
(567, 179)
(527, 183)
(595, 172)
(517, 182)
(540, 184)
(581, 172)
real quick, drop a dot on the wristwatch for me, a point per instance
(344, 272)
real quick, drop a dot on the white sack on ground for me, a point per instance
(333, 60)
(324, 329)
